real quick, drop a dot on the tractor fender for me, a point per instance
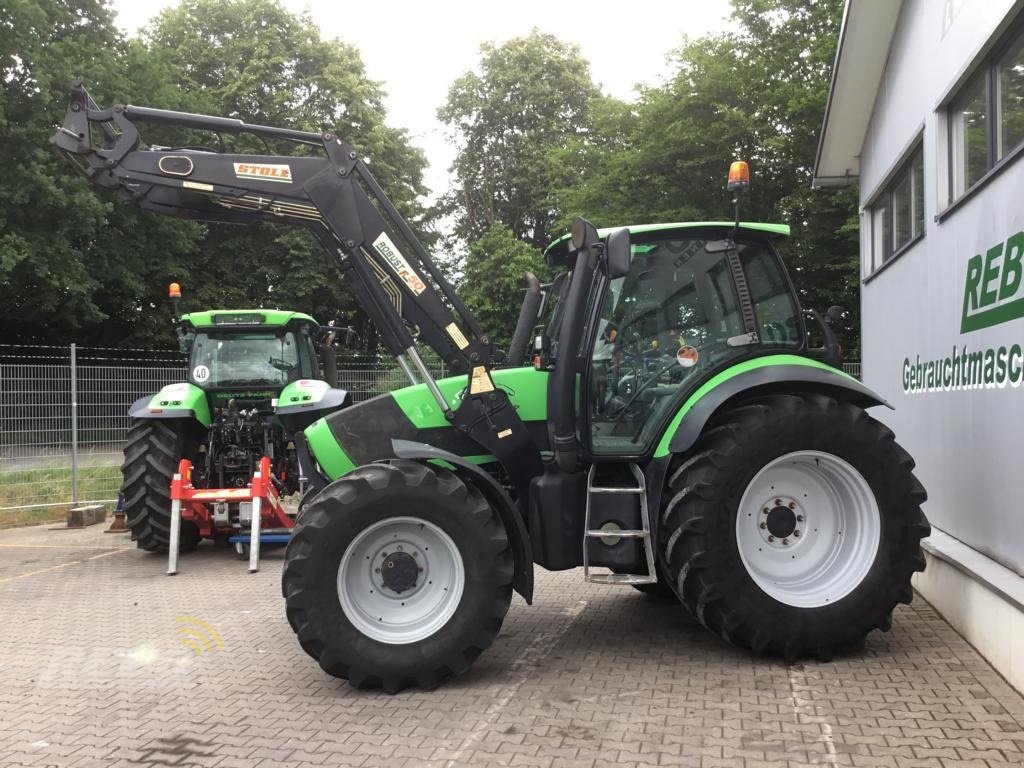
(175, 401)
(303, 402)
(522, 552)
(307, 395)
(690, 419)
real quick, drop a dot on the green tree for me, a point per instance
(100, 266)
(529, 97)
(599, 169)
(493, 283)
(757, 94)
(792, 45)
(72, 264)
(255, 60)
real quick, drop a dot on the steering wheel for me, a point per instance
(281, 364)
(653, 378)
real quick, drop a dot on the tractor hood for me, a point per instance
(363, 433)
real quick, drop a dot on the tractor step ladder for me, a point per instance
(644, 533)
(260, 491)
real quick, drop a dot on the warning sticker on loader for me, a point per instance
(397, 262)
(457, 335)
(481, 381)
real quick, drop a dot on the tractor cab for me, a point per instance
(249, 354)
(680, 312)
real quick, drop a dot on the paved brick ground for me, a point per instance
(93, 673)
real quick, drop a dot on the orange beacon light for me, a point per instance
(739, 175)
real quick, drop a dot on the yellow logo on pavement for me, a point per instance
(198, 635)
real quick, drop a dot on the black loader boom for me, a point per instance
(334, 195)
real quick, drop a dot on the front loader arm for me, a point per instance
(328, 194)
(331, 192)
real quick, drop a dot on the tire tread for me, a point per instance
(151, 454)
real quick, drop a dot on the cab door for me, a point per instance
(669, 325)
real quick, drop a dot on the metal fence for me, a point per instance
(64, 414)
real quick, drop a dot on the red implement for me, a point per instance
(195, 502)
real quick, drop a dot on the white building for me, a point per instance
(926, 113)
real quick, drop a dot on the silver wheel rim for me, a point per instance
(808, 529)
(415, 612)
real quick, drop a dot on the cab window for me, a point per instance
(778, 320)
(234, 359)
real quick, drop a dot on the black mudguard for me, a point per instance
(316, 480)
(773, 378)
(519, 537)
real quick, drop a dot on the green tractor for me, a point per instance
(254, 380)
(677, 429)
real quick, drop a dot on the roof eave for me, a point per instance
(865, 38)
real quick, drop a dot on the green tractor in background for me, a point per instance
(255, 378)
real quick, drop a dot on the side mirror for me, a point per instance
(185, 339)
(583, 234)
(618, 254)
(328, 335)
(834, 314)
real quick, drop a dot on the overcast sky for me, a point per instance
(416, 49)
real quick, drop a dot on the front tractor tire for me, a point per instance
(396, 575)
(794, 525)
(151, 455)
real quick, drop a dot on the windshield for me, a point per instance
(259, 358)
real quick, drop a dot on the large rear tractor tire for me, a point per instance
(396, 575)
(151, 455)
(794, 525)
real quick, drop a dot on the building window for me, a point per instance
(986, 117)
(897, 214)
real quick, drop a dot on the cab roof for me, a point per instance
(560, 246)
(228, 318)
